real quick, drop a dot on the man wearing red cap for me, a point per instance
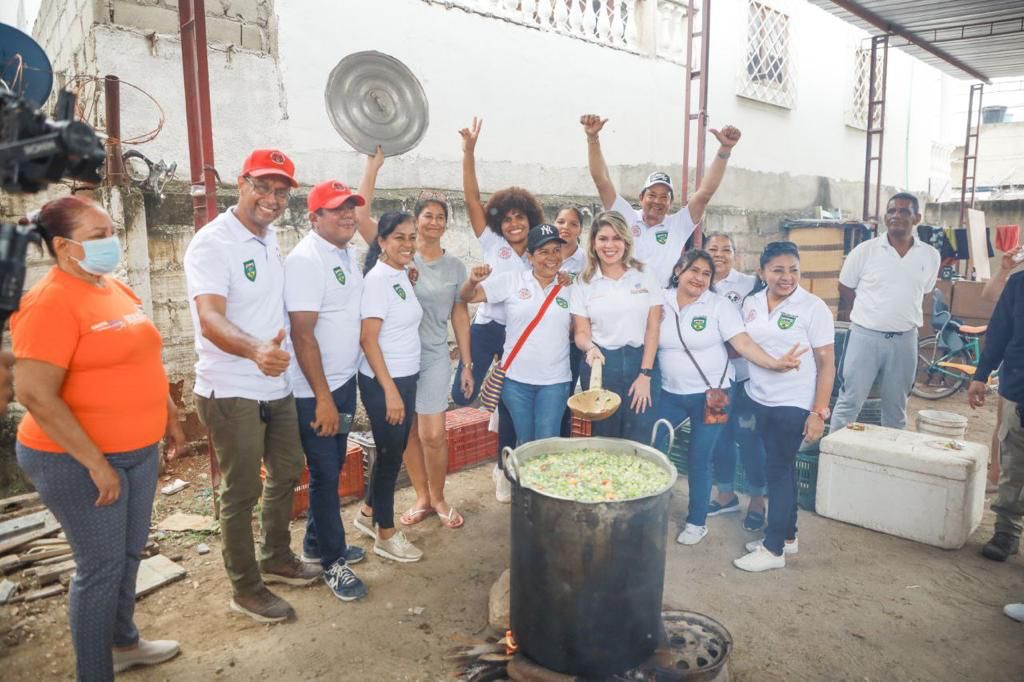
(235, 277)
(323, 287)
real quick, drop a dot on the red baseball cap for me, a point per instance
(269, 162)
(332, 194)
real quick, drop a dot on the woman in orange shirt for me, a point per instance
(89, 373)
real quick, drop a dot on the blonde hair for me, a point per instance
(614, 220)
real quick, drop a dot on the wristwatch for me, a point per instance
(645, 372)
(822, 412)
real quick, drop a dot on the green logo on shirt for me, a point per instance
(699, 324)
(661, 237)
(400, 291)
(340, 274)
(786, 321)
(561, 302)
(249, 267)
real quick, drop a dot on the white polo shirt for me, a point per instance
(544, 358)
(323, 279)
(890, 289)
(388, 295)
(226, 259)
(617, 308)
(660, 246)
(706, 324)
(734, 287)
(803, 319)
(575, 263)
(502, 258)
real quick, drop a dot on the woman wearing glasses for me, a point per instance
(440, 275)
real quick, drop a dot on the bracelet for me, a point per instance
(593, 140)
(724, 155)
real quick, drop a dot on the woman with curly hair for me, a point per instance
(502, 227)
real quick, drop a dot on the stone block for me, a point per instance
(252, 38)
(499, 603)
(249, 10)
(145, 17)
(224, 31)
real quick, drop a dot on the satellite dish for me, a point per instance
(374, 99)
(35, 80)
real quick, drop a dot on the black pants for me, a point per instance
(390, 441)
(781, 429)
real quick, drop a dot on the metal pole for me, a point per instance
(970, 153)
(876, 103)
(687, 106)
(702, 110)
(112, 100)
(209, 174)
(187, 24)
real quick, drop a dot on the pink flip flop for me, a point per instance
(413, 516)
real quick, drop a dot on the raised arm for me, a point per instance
(470, 186)
(592, 125)
(698, 201)
(471, 291)
(365, 223)
(994, 287)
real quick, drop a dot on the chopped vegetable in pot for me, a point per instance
(593, 475)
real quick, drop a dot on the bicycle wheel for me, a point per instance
(931, 381)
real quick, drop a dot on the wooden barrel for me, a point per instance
(821, 259)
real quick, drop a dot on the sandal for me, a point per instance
(413, 516)
(452, 519)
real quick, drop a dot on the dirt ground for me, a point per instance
(853, 605)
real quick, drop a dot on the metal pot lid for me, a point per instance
(374, 99)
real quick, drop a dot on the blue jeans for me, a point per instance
(740, 434)
(621, 368)
(325, 456)
(107, 544)
(536, 410)
(676, 408)
(486, 341)
(782, 430)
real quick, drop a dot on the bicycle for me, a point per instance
(947, 361)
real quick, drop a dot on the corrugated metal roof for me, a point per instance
(985, 35)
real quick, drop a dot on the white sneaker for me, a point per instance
(692, 534)
(364, 524)
(502, 486)
(789, 548)
(760, 559)
(146, 653)
(1015, 611)
(397, 548)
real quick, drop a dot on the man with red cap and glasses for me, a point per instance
(235, 276)
(323, 288)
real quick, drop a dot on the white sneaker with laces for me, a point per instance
(146, 653)
(1015, 611)
(760, 559)
(397, 548)
(502, 486)
(789, 548)
(692, 534)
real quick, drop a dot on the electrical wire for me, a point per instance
(89, 101)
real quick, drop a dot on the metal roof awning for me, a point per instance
(982, 39)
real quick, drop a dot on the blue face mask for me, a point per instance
(101, 255)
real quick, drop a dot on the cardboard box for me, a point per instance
(968, 303)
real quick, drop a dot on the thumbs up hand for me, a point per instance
(270, 357)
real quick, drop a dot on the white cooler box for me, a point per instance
(911, 485)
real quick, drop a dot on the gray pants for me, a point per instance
(867, 353)
(1009, 504)
(107, 543)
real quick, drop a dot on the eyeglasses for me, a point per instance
(263, 190)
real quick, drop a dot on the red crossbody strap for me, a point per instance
(530, 327)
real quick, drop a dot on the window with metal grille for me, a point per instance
(768, 72)
(857, 114)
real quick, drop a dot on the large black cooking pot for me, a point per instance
(587, 577)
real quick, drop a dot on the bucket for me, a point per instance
(587, 578)
(947, 424)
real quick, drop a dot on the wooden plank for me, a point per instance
(155, 572)
(9, 529)
(50, 574)
(821, 260)
(9, 546)
(43, 593)
(24, 500)
(811, 236)
(9, 563)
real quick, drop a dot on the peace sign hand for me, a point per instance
(470, 135)
(791, 360)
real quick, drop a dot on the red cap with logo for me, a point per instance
(332, 194)
(263, 162)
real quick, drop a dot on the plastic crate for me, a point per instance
(807, 477)
(469, 441)
(678, 454)
(581, 428)
(351, 485)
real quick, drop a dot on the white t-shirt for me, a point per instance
(226, 259)
(706, 324)
(734, 287)
(617, 308)
(575, 263)
(321, 278)
(660, 246)
(890, 289)
(389, 295)
(544, 358)
(803, 319)
(502, 258)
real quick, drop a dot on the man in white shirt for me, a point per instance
(659, 237)
(323, 288)
(885, 280)
(235, 277)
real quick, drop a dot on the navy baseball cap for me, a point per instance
(541, 235)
